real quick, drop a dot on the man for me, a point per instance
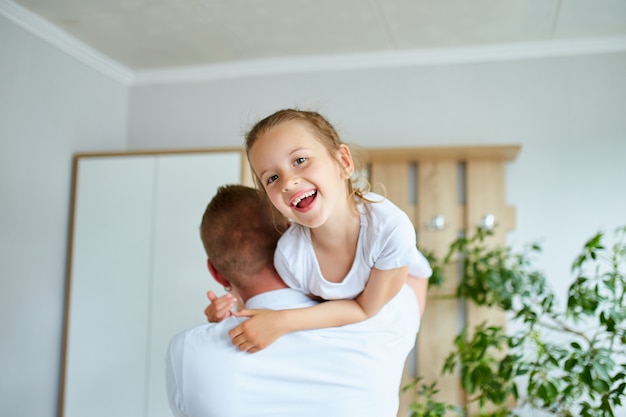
(336, 372)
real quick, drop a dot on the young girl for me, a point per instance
(343, 245)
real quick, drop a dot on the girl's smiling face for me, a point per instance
(302, 178)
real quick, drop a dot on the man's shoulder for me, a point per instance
(205, 334)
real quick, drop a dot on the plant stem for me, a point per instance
(562, 327)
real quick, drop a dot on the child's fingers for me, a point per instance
(210, 313)
(220, 301)
(220, 307)
(225, 301)
(223, 309)
(246, 312)
(213, 315)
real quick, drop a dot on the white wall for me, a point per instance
(51, 106)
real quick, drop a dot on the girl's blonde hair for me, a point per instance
(322, 130)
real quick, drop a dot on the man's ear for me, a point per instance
(345, 157)
(216, 274)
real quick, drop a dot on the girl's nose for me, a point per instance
(290, 182)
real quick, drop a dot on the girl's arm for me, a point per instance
(381, 287)
(265, 326)
(420, 288)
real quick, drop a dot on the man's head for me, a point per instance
(239, 233)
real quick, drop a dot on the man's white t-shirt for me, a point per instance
(354, 370)
(386, 241)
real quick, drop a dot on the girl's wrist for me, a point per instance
(285, 322)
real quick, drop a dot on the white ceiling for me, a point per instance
(158, 34)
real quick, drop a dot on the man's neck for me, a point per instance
(265, 280)
(280, 299)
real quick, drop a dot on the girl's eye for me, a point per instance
(272, 178)
(299, 161)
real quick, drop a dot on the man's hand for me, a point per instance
(259, 331)
(219, 307)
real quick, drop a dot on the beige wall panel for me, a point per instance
(247, 177)
(393, 181)
(486, 196)
(437, 188)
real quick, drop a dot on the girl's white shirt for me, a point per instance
(386, 241)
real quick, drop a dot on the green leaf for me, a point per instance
(587, 376)
(468, 383)
(600, 386)
(570, 364)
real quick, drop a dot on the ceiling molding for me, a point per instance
(306, 64)
(66, 43)
(376, 60)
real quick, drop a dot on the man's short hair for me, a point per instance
(239, 231)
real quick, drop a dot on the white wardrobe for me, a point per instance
(136, 274)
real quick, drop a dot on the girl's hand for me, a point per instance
(219, 307)
(259, 331)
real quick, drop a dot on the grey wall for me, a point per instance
(567, 114)
(51, 106)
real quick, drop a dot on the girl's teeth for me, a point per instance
(302, 197)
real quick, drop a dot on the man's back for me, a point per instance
(351, 370)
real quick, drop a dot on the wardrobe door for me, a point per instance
(180, 279)
(137, 275)
(108, 292)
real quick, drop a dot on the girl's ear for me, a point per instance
(345, 158)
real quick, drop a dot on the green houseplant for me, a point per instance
(581, 374)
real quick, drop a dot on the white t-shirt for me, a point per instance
(354, 370)
(386, 241)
